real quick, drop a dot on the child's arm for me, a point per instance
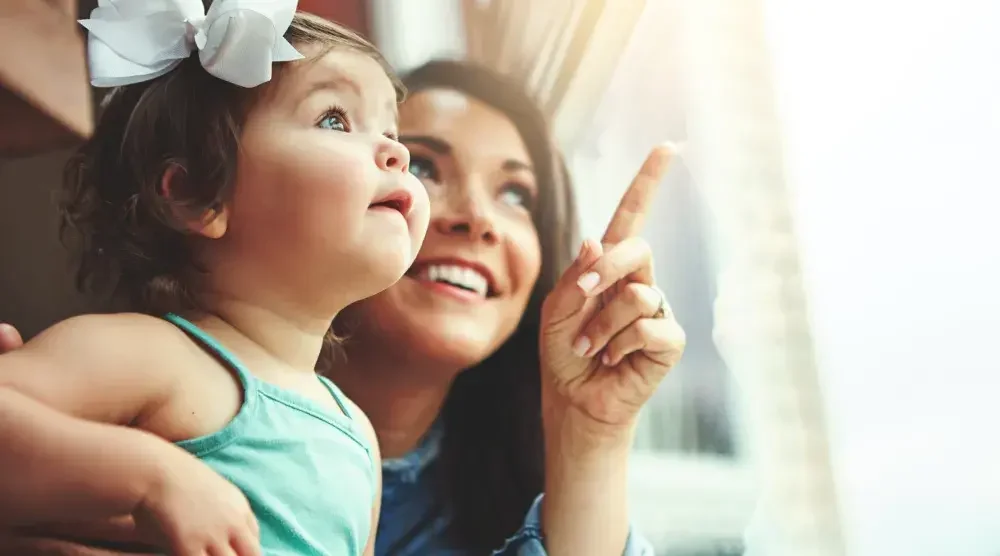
(104, 368)
(369, 431)
(55, 467)
(54, 462)
(63, 459)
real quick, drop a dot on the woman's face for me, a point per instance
(472, 279)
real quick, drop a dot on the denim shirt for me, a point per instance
(412, 523)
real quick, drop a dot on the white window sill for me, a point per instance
(679, 499)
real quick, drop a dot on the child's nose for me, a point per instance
(392, 156)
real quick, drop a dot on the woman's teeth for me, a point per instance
(460, 276)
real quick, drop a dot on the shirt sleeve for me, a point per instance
(528, 540)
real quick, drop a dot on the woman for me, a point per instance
(489, 353)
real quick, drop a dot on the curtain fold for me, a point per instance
(564, 51)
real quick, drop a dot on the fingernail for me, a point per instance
(581, 345)
(606, 359)
(586, 248)
(588, 281)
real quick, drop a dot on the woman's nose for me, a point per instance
(464, 215)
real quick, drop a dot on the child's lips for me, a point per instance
(399, 200)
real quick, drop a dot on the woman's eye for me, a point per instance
(517, 195)
(423, 168)
(334, 121)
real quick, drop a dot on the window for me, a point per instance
(696, 73)
(618, 78)
(692, 490)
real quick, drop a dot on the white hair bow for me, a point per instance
(237, 40)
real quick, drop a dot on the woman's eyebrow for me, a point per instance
(512, 165)
(432, 143)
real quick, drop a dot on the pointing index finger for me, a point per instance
(631, 212)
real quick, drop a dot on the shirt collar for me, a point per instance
(409, 467)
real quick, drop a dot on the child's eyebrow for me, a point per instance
(333, 82)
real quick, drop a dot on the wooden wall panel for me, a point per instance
(352, 13)
(44, 96)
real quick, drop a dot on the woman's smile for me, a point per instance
(456, 278)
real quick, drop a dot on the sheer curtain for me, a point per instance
(565, 51)
(644, 104)
(617, 78)
(608, 74)
(698, 72)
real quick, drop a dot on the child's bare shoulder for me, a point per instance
(100, 367)
(97, 343)
(108, 329)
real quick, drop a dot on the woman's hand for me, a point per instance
(607, 340)
(608, 337)
(23, 545)
(10, 338)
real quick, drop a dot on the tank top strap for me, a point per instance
(338, 396)
(355, 430)
(211, 345)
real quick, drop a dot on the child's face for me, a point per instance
(324, 205)
(478, 173)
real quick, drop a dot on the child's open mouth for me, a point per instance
(399, 201)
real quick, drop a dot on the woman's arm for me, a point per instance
(26, 545)
(589, 501)
(586, 483)
(608, 339)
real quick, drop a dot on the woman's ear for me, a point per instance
(211, 223)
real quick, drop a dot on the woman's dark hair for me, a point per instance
(130, 234)
(492, 459)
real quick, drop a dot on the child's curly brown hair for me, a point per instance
(129, 233)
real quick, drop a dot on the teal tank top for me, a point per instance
(307, 471)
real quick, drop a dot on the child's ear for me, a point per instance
(211, 223)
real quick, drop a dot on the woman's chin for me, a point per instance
(453, 346)
(429, 331)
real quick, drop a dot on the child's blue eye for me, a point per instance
(333, 120)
